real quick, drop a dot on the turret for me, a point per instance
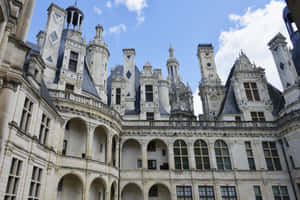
(173, 66)
(97, 59)
(211, 89)
(129, 76)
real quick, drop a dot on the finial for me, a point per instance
(171, 51)
(75, 2)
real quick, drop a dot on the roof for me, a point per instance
(45, 94)
(87, 83)
(276, 98)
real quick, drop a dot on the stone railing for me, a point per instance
(93, 102)
(198, 124)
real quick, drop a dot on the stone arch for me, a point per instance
(70, 187)
(75, 138)
(99, 150)
(132, 191)
(114, 150)
(131, 154)
(159, 191)
(113, 191)
(98, 189)
(157, 154)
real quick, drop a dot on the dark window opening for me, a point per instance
(69, 87)
(153, 191)
(258, 116)
(151, 164)
(118, 96)
(149, 93)
(150, 116)
(73, 61)
(152, 146)
(251, 91)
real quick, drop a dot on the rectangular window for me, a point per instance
(13, 180)
(280, 192)
(150, 116)
(251, 91)
(184, 192)
(250, 156)
(69, 87)
(257, 192)
(149, 93)
(139, 163)
(73, 61)
(26, 115)
(151, 164)
(228, 193)
(35, 184)
(271, 156)
(65, 145)
(151, 147)
(118, 96)
(44, 129)
(238, 118)
(258, 116)
(206, 193)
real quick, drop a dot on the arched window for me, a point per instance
(222, 155)
(181, 155)
(201, 155)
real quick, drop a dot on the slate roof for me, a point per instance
(87, 83)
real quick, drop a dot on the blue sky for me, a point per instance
(150, 26)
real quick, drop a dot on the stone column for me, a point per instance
(108, 149)
(89, 147)
(230, 147)
(117, 153)
(212, 155)
(107, 194)
(24, 21)
(171, 156)
(191, 155)
(144, 155)
(259, 156)
(4, 41)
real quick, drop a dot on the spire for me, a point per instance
(171, 51)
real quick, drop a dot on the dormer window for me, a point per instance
(251, 91)
(258, 116)
(149, 93)
(73, 61)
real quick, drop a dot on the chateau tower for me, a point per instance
(211, 88)
(97, 59)
(173, 67)
(129, 76)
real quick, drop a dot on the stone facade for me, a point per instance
(67, 131)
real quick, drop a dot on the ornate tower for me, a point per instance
(211, 89)
(173, 67)
(97, 58)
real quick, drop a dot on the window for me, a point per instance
(139, 163)
(222, 155)
(151, 164)
(206, 193)
(258, 116)
(280, 192)
(69, 87)
(26, 115)
(153, 191)
(151, 147)
(44, 129)
(184, 192)
(150, 116)
(13, 180)
(271, 156)
(251, 91)
(181, 155)
(228, 193)
(35, 184)
(73, 61)
(149, 93)
(257, 192)
(238, 118)
(250, 156)
(118, 96)
(201, 155)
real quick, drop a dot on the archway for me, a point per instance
(131, 155)
(157, 154)
(97, 190)
(75, 138)
(69, 188)
(159, 192)
(113, 191)
(132, 191)
(100, 144)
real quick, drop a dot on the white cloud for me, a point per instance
(117, 29)
(251, 33)
(97, 10)
(108, 4)
(134, 6)
(197, 103)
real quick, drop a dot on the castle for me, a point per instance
(70, 130)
